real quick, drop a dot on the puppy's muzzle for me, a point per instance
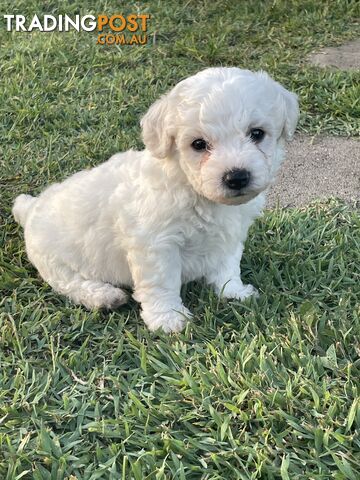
(236, 179)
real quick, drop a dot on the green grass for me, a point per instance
(265, 389)
(261, 389)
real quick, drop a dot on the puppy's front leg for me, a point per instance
(156, 274)
(224, 274)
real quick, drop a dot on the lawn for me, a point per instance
(265, 389)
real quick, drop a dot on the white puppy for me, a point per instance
(178, 210)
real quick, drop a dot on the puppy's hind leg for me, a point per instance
(90, 293)
(94, 294)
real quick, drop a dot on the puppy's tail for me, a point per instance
(21, 208)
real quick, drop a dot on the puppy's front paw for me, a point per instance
(247, 291)
(171, 321)
(238, 290)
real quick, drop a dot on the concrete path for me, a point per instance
(318, 167)
(345, 57)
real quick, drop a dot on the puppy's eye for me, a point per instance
(199, 144)
(256, 134)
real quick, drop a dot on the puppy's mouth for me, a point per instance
(234, 198)
(240, 197)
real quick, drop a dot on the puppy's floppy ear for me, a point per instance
(156, 127)
(291, 113)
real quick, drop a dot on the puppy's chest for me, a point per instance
(203, 233)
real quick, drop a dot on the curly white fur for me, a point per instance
(153, 219)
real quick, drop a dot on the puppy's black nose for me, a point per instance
(237, 179)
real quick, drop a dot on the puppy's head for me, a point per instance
(225, 127)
